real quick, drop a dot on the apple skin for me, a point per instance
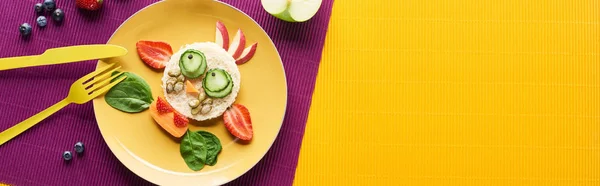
(236, 49)
(247, 54)
(237, 45)
(222, 36)
(284, 14)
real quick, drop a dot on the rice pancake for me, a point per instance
(216, 59)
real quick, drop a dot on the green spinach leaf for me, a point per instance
(213, 147)
(133, 77)
(193, 150)
(130, 95)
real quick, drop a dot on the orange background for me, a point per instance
(435, 92)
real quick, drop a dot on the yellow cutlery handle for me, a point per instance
(18, 62)
(63, 55)
(13, 131)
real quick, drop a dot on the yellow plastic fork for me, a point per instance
(83, 90)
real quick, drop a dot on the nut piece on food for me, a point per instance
(181, 78)
(194, 103)
(174, 73)
(178, 87)
(207, 101)
(201, 95)
(170, 87)
(196, 110)
(206, 109)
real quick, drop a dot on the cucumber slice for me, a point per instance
(192, 63)
(221, 93)
(216, 80)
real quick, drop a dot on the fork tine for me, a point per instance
(101, 77)
(90, 75)
(107, 87)
(102, 83)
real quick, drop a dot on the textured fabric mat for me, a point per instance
(34, 157)
(456, 92)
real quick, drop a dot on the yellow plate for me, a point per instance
(145, 148)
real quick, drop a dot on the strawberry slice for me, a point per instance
(237, 121)
(154, 53)
(180, 120)
(163, 106)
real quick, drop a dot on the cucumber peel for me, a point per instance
(192, 63)
(216, 80)
(217, 83)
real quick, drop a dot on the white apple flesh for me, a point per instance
(247, 54)
(292, 10)
(222, 36)
(237, 44)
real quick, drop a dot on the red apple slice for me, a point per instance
(222, 36)
(246, 54)
(237, 45)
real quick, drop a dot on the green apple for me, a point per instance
(292, 10)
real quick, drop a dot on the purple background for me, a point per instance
(34, 157)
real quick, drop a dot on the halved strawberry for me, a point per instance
(180, 120)
(89, 4)
(154, 53)
(237, 121)
(163, 106)
(168, 118)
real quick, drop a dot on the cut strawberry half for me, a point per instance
(154, 53)
(238, 123)
(168, 118)
(163, 106)
(180, 120)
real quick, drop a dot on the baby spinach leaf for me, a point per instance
(128, 97)
(213, 147)
(131, 95)
(193, 150)
(133, 77)
(199, 148)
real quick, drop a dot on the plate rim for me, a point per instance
(284, 78)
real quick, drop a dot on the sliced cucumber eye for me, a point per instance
(192, 63)
(218, 84)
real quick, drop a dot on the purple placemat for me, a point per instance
(34, 157)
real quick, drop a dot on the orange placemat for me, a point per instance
(438, 92)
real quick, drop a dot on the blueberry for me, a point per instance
(58, 15)
(79, 147)
(41, 21)
(39, 8)
(67, 155)
(50, 5)
(25, 29)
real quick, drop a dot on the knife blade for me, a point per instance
(64, 55)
